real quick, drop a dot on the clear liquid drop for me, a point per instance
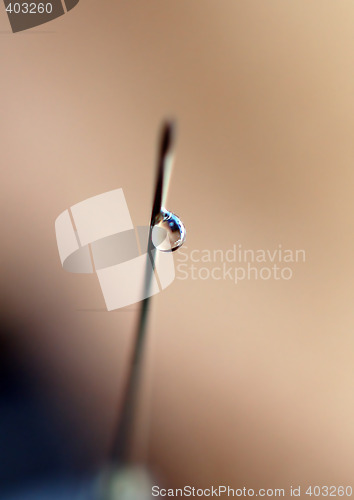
(168, 233)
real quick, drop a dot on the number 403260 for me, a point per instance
(329, 491)
(29, 8)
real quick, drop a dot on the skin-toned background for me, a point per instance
(252, 384)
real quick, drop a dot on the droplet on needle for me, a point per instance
(174, 233)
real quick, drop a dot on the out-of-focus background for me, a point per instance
(248, 384)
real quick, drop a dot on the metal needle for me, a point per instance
(164, 166)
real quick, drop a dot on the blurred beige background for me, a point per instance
(252, 384)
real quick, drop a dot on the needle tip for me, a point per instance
(168, 136)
